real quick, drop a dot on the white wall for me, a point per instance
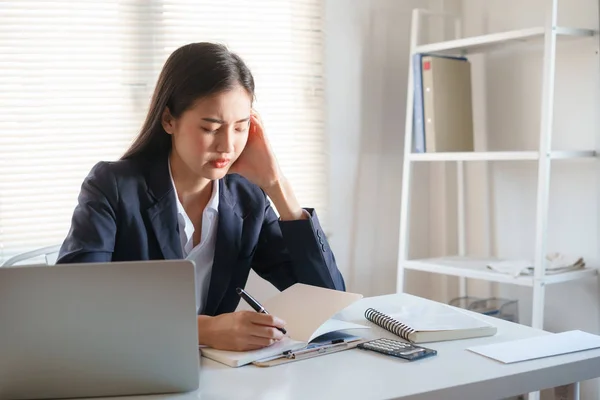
(366, 58)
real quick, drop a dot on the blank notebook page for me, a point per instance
(539, 346)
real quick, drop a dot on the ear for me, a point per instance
(167, 121)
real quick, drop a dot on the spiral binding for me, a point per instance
(388, 323)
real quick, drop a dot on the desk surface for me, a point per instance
(455, 373)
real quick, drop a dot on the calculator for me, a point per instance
(397, 348)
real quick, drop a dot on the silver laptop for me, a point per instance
(98, 329)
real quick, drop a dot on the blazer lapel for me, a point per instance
(162, 213)
(163, 217)
(229, 235)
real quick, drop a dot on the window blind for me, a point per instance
(76, 79)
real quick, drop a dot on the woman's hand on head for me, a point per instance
(239, 331)
(257, 162)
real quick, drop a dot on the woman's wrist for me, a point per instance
(284, 200)
(204, 330)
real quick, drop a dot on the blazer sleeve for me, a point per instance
(291, 252)
(91, 237)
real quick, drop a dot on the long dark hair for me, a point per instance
(191, 72)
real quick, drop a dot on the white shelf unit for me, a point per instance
(475, 268)
(501, 156)
(461, 265)
(493, 41)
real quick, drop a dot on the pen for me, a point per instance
(318, 350)
(255, 304)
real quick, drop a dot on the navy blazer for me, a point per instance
(127, 211)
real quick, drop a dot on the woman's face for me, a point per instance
(210, 136)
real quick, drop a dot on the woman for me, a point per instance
(194, 184)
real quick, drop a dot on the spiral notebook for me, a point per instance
(430, 323)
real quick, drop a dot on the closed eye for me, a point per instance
(243, 127)
(208, 130)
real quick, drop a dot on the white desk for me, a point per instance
(455, 373)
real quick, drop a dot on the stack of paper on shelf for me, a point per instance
(556, 263)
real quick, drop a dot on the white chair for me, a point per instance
(49, 253)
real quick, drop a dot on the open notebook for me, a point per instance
(432, 322)
(307, 311)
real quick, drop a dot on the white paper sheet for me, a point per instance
(539, 346)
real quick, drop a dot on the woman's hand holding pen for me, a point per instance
(239, 331)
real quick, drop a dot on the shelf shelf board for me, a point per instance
(500, 155)
(482, 43)
(475, 268)
(573, 154)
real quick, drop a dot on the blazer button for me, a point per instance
(319, 234)
(323, 248)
